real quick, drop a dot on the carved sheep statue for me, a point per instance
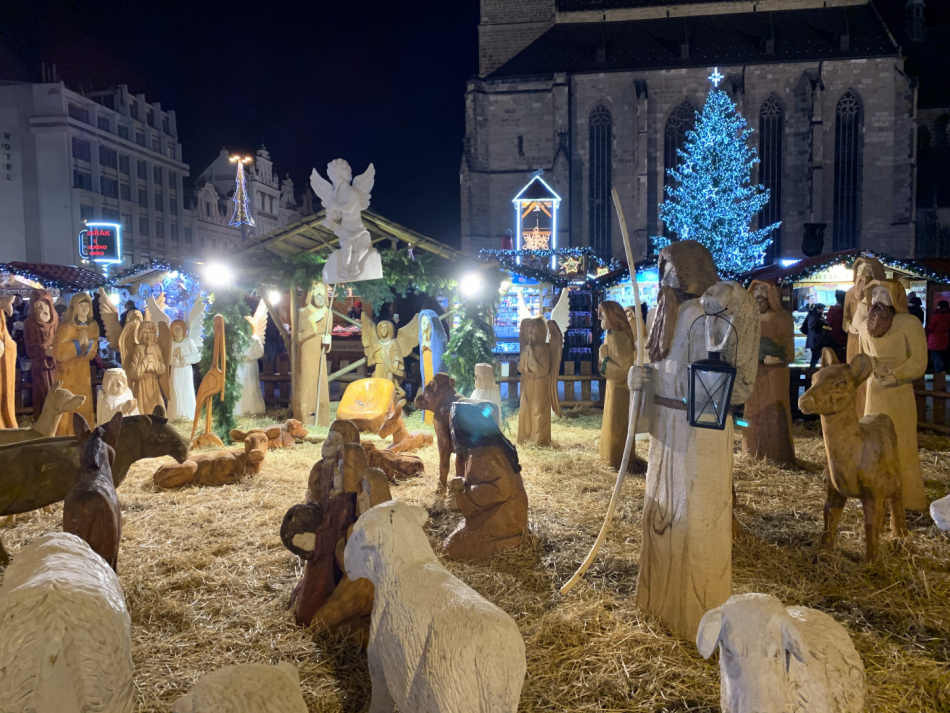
(248, 688)
(778, 660)
(435, 645)
(67, 641)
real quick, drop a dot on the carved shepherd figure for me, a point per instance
(313, 343)
(686, 557)
(91, 509)
(38, 333)
(897, 344)
(539, 365)
(116, 397)
(7, 367)
(387, 348)
(855, 314)
(769, 410)
(616, 357)
(76, 343)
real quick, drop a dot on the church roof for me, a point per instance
(537, 190)
(731, 39)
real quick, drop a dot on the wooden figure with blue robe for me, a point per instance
(432, 340)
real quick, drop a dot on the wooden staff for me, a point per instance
(634, 409)
(316, 413)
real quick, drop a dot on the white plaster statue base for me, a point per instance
(435, 646)
(67, 644)
(940, 512)
(778, 660)
(248, 688)
(371, 268)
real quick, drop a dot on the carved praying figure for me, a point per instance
(116, 397)
(185, 353)
(386, 349)
(7, 367)
(313, 343)
(249, 375)
(38, 332)
(432, 342)
(897, 344)
(147, 370)
(75, 345)
(769, 411)
(617, 355)
(121, 337)
(344, 198)
(539, 366)
(855, 313)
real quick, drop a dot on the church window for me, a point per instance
(601, 141)
(771, 141)
(681, 121)
(849, 140)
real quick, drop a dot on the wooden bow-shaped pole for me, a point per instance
(634, 408)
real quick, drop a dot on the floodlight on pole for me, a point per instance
(471, 284)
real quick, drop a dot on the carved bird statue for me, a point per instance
(211, 384)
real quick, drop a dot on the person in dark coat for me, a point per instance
(938, 335)
(815, 327)
(836, 337)
(914, 306)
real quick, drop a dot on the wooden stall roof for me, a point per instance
(933, 269)
(309, 235)
(71, 277)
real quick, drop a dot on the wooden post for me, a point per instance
(940, 405)
(293, 308)
(921, 385)
(585, 385)
(569, 394)
(284, 386)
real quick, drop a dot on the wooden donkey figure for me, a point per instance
(862, 455)
(212, 384)
(91, 509)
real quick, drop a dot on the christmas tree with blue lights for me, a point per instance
(713, 200)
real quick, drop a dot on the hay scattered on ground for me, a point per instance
(207, 582)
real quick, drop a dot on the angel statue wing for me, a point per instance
(165, 345)
(110, 320)
(523, 311)
(408, 335)
(556, 341)
(258, 321)
(364, 186)
(562, 311)
(155, 310)
(370, 340)
(322, 187)
(196, 318)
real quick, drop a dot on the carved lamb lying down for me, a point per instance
(435, 645)
(778, 660)
(67, 644)
(248, 688)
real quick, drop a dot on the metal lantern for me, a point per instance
(710, 382)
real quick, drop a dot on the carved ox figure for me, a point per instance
(220, 467)
(778, 660)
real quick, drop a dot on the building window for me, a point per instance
(109, 187)
(172, 179)
(601, 154)
(173, 231)
(681, 121)
(156, 145)
(124, 165)
(520, 145)
(78, 113)
(82, 150)
(140, 170)
(108, 157)
(165, 125)
(170, 149)
(143, 226)
(849, 139)
(150, 117)
(771, 142)
(173, 205)
(111, 215)
(125, 191)
(159, 229)
(103, 123)
(188, 235)
(123, 132)
(157, 174)
(85, 212)
(140, 138)
(158, 202)
(143, 198)
(82, 179)
(134, 110)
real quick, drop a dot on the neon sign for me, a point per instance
(101, 242)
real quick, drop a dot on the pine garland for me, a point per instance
(231, 305)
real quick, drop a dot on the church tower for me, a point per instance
(507, 27)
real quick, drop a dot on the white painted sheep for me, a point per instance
(248, 688)
(778, 660)
(435, 645)
(67, 637)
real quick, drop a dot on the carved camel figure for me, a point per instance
(219, 467)
(211, 384)
(58, 402)
(862, 455)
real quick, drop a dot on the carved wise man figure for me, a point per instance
(616, 357)
(865, 270)
(897, 344)
(38, 332)
(313, 343)
(146, 369)
(75, 345)
(768, 410)
(686, 557)
(539, 366)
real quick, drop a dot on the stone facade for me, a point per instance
(517, 124)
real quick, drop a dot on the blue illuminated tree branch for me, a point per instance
(713, 200)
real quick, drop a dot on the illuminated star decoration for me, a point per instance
(601, 271)
(716, 77)
(570, 265)
(537, 239)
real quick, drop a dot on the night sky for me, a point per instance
(365, 81)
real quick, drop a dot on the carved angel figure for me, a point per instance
(541, 345)
(386, 349)
(185, 352)
(344, 198)
(147, 368)
(249, 374)
(121, 338)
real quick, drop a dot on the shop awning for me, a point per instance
(933, 269)
(63, 277)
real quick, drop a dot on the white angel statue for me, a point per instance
(185, 353)
(344, 198)
(249, 374)
(386, 349)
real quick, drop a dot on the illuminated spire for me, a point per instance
(242, 213)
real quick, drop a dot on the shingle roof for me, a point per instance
(800, 35)
(71, 277)
(580, 5)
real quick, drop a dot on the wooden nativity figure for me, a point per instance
(432, 341)
(38, 332)
(686, 556)
(486, 389)
(116, 397)
(314, 322)
(769, 410)
(121, 337)
(855, 313)
(185, 353)
(387, 348)
(251, 402)
(540, 363)
(617, 355)
(212, 384)
(896, 342)
(7, 367)
(147, 369)
(76, 343)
